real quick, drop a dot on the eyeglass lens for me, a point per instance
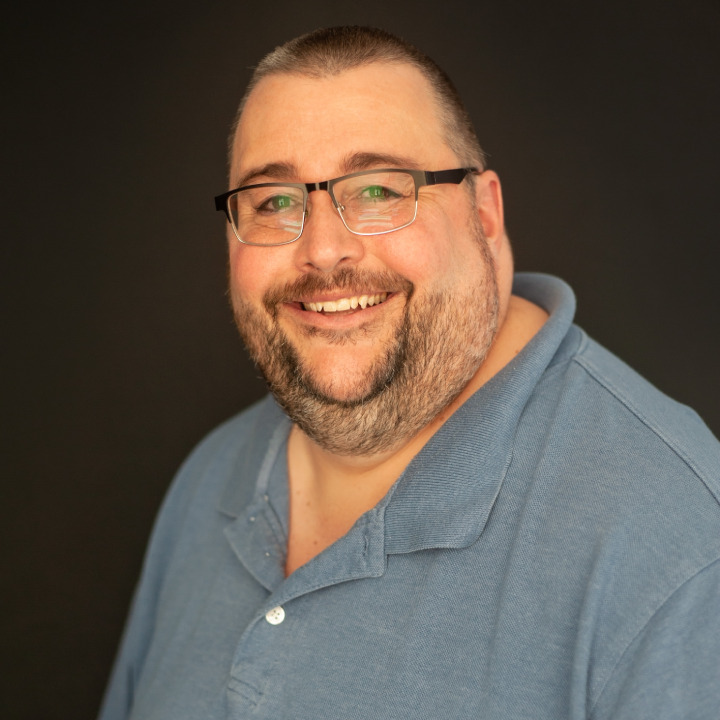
(370, 204)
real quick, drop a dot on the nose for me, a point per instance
(326, 243)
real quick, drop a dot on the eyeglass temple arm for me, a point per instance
(448, 176)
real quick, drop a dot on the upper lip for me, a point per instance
(347, 284)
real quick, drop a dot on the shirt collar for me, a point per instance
(444, 497)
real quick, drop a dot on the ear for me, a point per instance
(489, 204)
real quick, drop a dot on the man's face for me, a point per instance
(360, 380)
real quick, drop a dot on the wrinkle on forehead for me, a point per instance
(352, 162)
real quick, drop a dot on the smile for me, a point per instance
(346, 303)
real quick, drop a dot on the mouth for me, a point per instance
(345, 304)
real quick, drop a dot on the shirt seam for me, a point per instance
(640, 631)
(595, 373)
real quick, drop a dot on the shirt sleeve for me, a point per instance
(137, 636)
(118, 698)
(671, 669)
(139, 629)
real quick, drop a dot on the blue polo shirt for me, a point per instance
(552, 552)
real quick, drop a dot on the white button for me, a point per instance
(275, 616)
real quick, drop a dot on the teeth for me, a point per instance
(348, 303)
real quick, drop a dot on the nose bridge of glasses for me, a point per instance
(325, 185)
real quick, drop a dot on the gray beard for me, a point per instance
(442, 341)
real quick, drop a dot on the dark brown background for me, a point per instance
(119, 351)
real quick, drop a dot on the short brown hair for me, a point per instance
(329, 51)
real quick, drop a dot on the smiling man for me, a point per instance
(454, 504)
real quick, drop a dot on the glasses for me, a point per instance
(370, 202)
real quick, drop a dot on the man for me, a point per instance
(456, 505)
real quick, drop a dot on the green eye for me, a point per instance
(378, 192)
(275, 204)
(280, 202)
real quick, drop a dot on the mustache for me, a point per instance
(350, 280)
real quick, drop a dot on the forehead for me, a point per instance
(316, 124)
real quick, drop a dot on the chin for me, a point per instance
(346, 388)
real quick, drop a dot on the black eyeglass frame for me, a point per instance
(420, 177)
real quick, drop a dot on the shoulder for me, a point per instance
(624, 487)
(623, 445)
(603, 404)
(241, 438)
(623, 472)
(644, 418)
(223, 464)
(220, 472)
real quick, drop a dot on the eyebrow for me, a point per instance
(271, 171)
(365, 160)
(353, 162)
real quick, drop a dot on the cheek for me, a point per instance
(236, 271)
(249, 271)
(429, 257)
